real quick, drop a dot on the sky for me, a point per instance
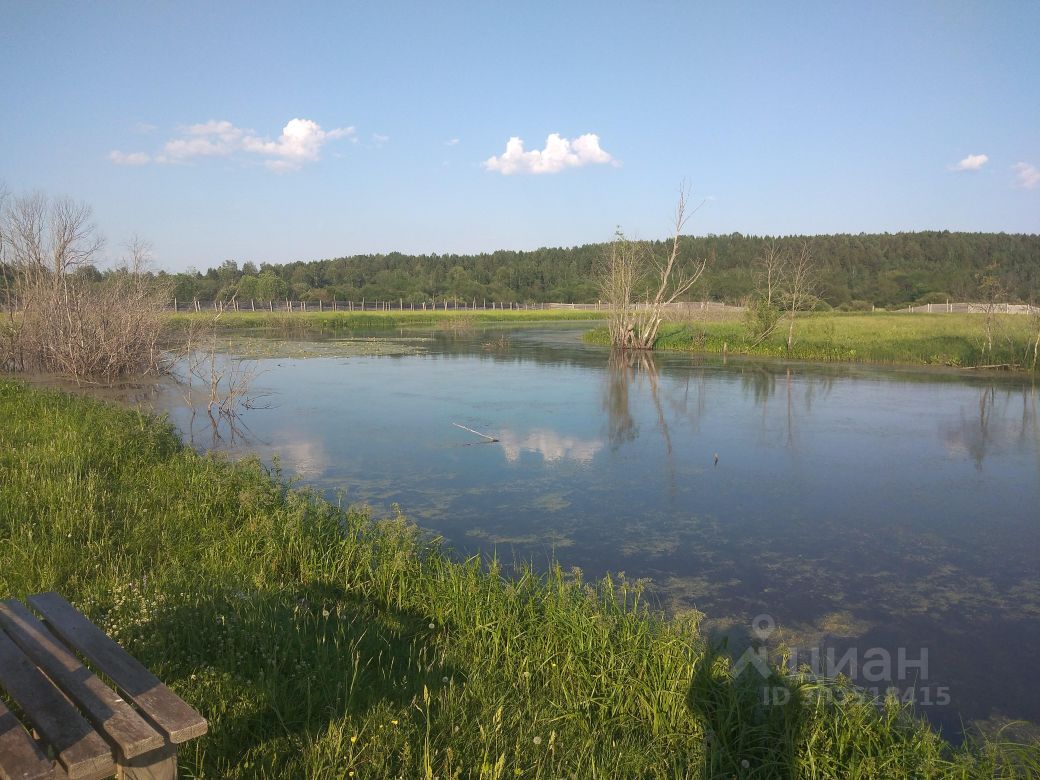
(271, 132)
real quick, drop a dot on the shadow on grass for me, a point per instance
(752, 719)
(283, 665)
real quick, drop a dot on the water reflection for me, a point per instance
(859, 506)
(550, 445)
(621, 425)
(992, 423)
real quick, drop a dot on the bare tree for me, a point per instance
(994, 294)
(1034, 319)
(762, 310)
(799, 287)
(770, 270)
(62, 321)
(785, 284)
(633, 266)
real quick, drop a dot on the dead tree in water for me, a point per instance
(633, 266)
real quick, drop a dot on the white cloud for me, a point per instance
(301, 142)
(379, 140)
(452, 142)
(1027, 176)
(559, 153)
(972, 162)
(209, 139)
(144, 128)
(128, 158)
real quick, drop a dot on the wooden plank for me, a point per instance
(102, 706)
(161, 706)
(79, 748)
(160, 764)
(20, 756)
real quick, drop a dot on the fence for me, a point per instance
(286, 305)
(974, 308)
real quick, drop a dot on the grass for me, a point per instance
(381, 320)
(921, 339)
(321, 643)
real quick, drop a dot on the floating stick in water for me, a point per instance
(478, 433)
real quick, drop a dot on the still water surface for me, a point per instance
(882, 513)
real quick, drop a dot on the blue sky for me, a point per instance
(175, 120)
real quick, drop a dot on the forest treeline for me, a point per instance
(852, 272)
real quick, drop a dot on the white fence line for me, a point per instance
(401, 305)
(974, 308)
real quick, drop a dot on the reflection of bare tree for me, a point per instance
(679, 399)
(624, 368)
(977, 437)
(760, 381)
(817, 385)
(790, 411)
(1029, 415)
(977, 433)
(621, 426)
(216, 431)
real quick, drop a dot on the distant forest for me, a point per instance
(853, 272)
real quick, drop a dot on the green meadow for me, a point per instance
(958, 340)
(379, 320)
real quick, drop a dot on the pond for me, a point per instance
(882, 523)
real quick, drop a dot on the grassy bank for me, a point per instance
(320, 643)
(921, 339)
(381, 320)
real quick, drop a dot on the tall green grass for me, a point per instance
(321, 643)
(922, 339)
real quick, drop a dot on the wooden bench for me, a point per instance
(76, 726)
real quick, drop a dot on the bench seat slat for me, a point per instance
(20, 756)
(102, 706)
(176, 719)
(79, 748)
